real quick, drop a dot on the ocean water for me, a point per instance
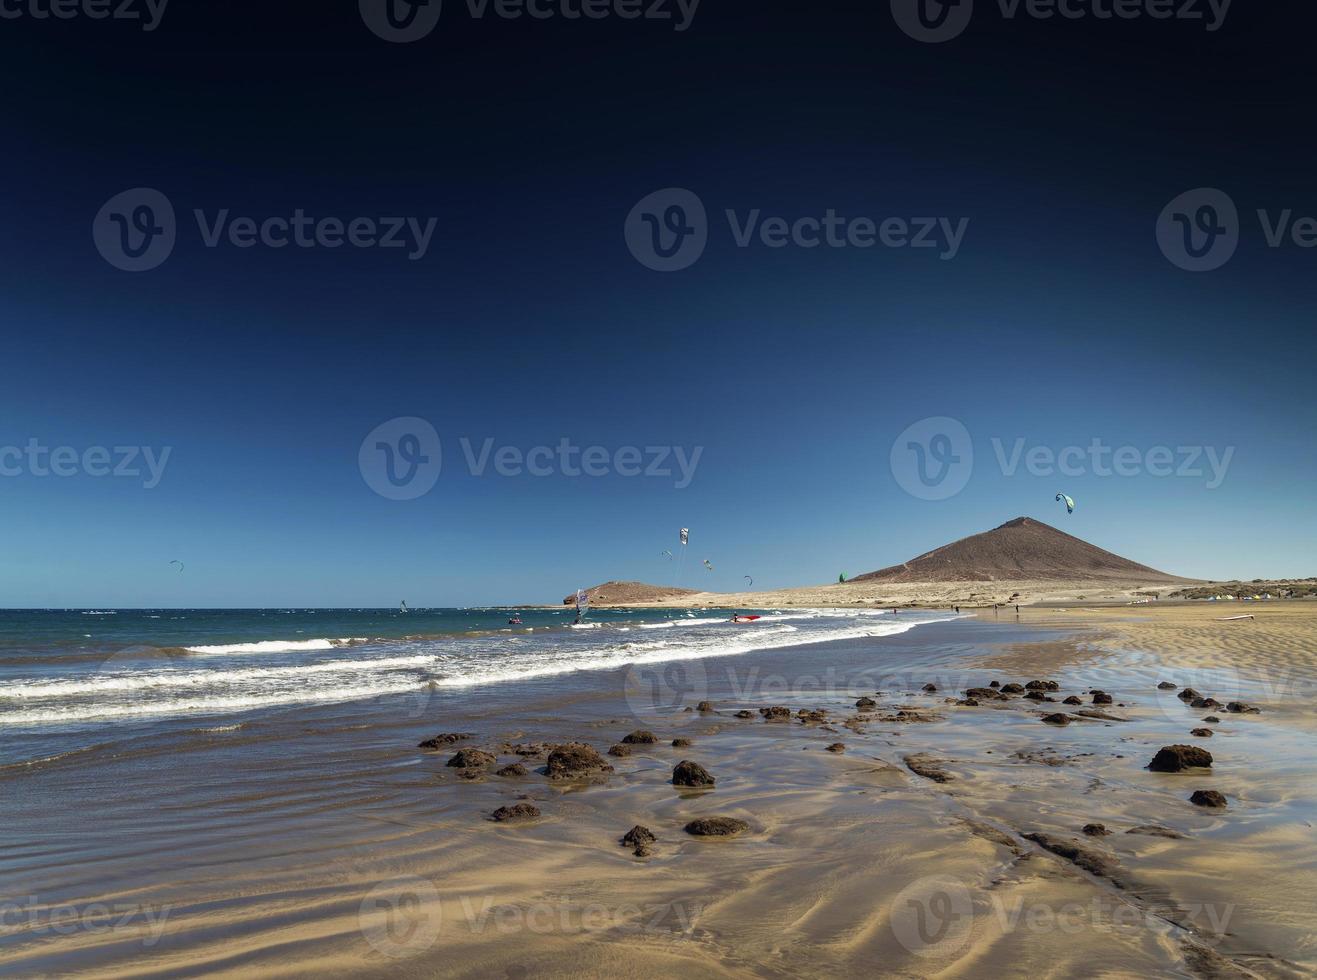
(74, 678)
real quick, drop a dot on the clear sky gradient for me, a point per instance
(529, 321)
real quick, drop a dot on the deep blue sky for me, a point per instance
(1058, 322)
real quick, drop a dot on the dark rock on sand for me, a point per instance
(1201, 733)
(994, 684)
(704, 706)
(1038, 696)
(640, 737)
(681, 743)
(471, 773)
(1188, 694)
(968, 702)
(1057, 719)
(1173, 758)
(531, 750)
(930, 688)
(818, 714)
(1099, 715)
(1102, 697)
(575, 760)
(777, 712)
(1205, 703)
(1166, 686)
(745, 714)
(866, 703)
(516, 769)
(837, 747)
(1212, 720)
(687, 773)
(928, 767)
(1043, 686)
(1096, 829)
(638, 835)
(985, 694)
(1207, 797)
(989, 832)
(1094, 862)
(620, 751)
(1242, 707)
(447, 738)
(1012, 689)
(1072, 700)
(1155, 830)
(716, 827)
(518, 811)
(472, 759)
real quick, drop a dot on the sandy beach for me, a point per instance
(935, 838)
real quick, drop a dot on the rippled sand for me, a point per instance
(361, 855)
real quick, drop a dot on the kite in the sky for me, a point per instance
(666, 554)
(708, 564)
(178, 563)
(749, 579)
(1069, 502)
(685, 535)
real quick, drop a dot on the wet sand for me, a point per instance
(340, 848)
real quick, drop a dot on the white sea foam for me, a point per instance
(349, 671)
(277, 646)
(118, 680)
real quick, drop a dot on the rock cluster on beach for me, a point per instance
(581, 761)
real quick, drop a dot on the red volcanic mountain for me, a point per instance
(1019, 550)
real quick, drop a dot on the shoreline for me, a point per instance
(362, 854)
